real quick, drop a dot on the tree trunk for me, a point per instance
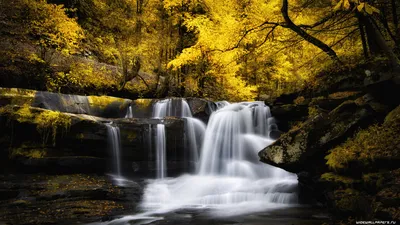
(377, 43)
(362, 34)
(311, 39)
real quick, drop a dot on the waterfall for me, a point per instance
(129, 112)
(194, 134)
(161, 154)
(115, 147)
(194, 130)
(230, 179)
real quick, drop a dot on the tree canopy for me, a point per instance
(236, 50)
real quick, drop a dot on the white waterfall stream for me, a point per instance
(115, 146)
(230, 180)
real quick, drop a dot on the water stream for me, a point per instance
(228, 180)
(115, 146)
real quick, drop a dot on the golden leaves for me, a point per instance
(356, 4)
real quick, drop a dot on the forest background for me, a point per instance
(233, 49)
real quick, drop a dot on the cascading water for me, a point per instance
(230, 177)
(230, 180)
(115, 146)
(161, 154)
(194, 129)
(129, 112)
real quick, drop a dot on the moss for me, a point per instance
(74, 182)
(103, 102)
(28, 152)
(17, 92)
(375, 142)
(343, 94)
(80, 136)
(342, 180)
(351, 202)
(49, 122)
(312, 111)
(393, 116)
(375, 180)
(132, 136)
(299, 100)
(143, 103)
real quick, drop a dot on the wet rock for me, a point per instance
(201, 108)
(289, 115)
(138, 140)
(65, 199)
(295, 150)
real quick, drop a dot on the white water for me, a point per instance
(194, 130)
(230, 180)
(115, 146)
(129, 112)
(161, 154)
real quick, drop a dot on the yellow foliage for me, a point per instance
(51, 27)
(49, 122)
(83, 76)
(103, 101)
(366, 146)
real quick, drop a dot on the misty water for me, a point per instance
(225, 178)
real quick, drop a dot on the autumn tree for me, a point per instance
(51, 28)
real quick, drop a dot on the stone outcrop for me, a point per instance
(294, 150)
(40, 140)
(101, 106)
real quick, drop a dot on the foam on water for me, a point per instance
(230, 179)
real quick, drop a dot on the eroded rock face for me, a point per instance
(294, 150)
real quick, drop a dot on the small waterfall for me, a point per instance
(161, 154)
(115, 146)
(194, 128)
(194, 135)
(129, 112)
(230, 178)
(176, 107)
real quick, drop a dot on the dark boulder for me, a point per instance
(201, 108)
(296, 150)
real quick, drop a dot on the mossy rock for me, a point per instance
(103, 106)
(370, 149)
(295, 150)
(16, 96)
